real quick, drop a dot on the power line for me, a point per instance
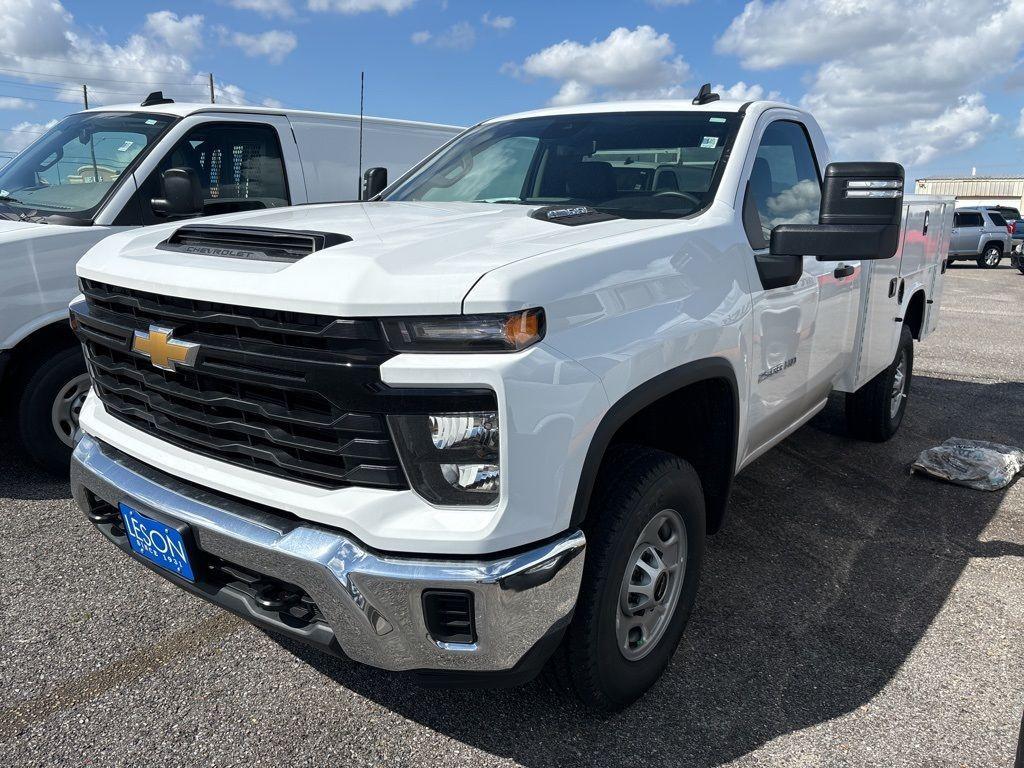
(145, 70)
(77, 79)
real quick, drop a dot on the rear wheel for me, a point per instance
(990, 257)
(645, 547)
(875, 411)
(52, 394)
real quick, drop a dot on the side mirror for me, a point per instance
(183, 194)
(375, 180)
(860, 215)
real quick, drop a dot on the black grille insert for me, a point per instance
(253, 243)
(289, 394)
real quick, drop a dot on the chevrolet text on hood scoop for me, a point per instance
(390, 258)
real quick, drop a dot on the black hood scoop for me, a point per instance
(249, 243)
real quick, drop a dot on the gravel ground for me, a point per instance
(849, 615)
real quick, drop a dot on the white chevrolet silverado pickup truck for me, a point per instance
(483, 422)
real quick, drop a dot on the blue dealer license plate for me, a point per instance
(158, 543)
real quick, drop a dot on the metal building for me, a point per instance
(975, 190)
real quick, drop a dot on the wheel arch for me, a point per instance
(913, 317)
(711, 382)
(52, 337)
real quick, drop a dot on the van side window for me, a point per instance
(239, 165)
(784, 186)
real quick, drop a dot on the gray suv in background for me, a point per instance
(981, 235)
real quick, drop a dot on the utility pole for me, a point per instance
(85, 95)
(213, 97)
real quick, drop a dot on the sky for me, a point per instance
(927, 83)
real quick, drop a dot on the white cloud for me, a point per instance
(461, 35)
(390, 7)
(13, 102)
(282, 8)
(1020, 125)
(23, 134)
(740, 91)
(628, 64)
(274, 44)
(899, 81)
(42, 37)
(182, 34)
(498, 22)
(458, 36)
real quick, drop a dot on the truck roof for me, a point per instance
(652, 105)
(184, 109)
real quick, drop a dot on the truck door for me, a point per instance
(802, 332)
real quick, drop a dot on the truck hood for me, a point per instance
(11, 231)
(404, 257)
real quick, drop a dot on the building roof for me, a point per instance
(1018, 177)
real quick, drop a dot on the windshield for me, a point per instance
(631, 164)
(72, 168)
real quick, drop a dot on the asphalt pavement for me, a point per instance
(849, 614)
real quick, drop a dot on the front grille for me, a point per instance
(289, 394)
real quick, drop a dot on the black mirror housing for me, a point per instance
(375, 181)
(860, 215)
(183, 194)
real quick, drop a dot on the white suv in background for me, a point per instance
(981, 235)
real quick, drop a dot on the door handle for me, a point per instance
(844, 271)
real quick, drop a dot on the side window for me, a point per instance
(239, 165)
(970, 220)
(784, 186)
(958, 219)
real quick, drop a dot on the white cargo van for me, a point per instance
(105, 170)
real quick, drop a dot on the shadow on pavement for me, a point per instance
(831, 568)
(21, 479)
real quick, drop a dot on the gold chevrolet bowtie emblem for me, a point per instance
(163, 351)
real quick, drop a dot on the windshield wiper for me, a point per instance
(5, 198)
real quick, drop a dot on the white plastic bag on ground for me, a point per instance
(977, 464)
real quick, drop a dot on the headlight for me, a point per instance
(507, 332)
(450, 458)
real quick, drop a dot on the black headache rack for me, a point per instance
(252, 243)
(290, 394)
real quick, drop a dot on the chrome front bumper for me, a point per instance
(369, 605)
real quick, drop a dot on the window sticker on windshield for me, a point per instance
(716, 120)
(126, 146)
(709, 142)
(151, 121)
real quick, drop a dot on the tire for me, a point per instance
(641, 494)
(45, 426)
(872, 412)
(990, 256)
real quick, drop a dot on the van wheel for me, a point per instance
(990, 257)
(645, 547)
(875, 411)
(53, 391)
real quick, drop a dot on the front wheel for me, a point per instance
(53, 391)
(645, 547)
(875, 411)
(990, 257)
